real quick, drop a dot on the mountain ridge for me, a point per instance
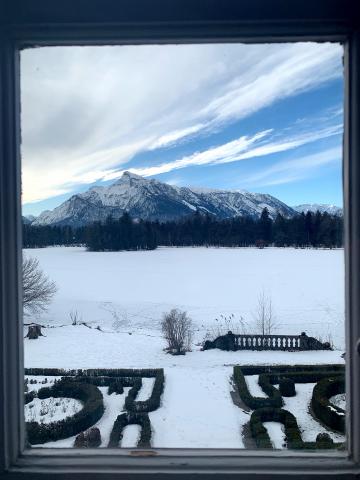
(150, 199)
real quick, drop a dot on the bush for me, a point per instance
(176, 328)
(89, 439)
(126, 419)
(287, 387)
(29, 397)
(331, 415)
(323, 440)
(91, 412)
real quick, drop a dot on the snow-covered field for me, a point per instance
(125, 294)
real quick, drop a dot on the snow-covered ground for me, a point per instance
(125, 294)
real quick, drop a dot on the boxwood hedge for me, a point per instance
(292, 433)
(91, 412)
(126, 419)
(274, 399)
(331, 415)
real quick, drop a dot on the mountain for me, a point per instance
(28, 219)
(321, 207)
(150, 199)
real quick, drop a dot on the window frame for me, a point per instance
(25, 23)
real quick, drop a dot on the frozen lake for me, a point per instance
(129, 291)
(125, 294)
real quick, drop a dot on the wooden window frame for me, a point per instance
(29, 23)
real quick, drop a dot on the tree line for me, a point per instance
(303, 230)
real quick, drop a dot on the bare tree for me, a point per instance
(264, 315)
(38, 289)
(177, 330)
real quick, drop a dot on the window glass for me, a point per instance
(183, 264)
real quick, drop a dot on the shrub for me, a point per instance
(331, 415)
(126, 419)
(29, 396)
(89, 439)
(323, 440)
(91, 412)
(177, 330)
(287, 387)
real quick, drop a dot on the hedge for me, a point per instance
(98, 372)
(126, 419)
(91, 412)
(153, 402)
(331, 415)
(260, 434)
(29, 396)
(272, 375)
(287, 387)
(292, 433)
(274, 399)
(281, 369)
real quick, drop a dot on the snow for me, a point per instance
(339, 400)
(131, 434)
(276, 434)
(253, 386)
(51, 409)
(140, 196)
(306, 287)
(125, 293)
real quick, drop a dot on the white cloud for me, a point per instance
(87, 110)
(243, 148)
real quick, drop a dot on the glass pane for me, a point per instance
(183, 246)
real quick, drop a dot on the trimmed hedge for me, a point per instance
(126, 419)
(260, 434)
(284, 369)
(270, 376)
(91, 372)
(287, 387)
(293, 437)
(116, 386)
(91, 412)
(331, 415)
(153, 402)
(274, 399)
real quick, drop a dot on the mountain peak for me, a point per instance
(154, 200)
(128, 176)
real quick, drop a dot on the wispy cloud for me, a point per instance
(87, 111)
(288, 171)
(246, 147)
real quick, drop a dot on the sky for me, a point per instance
(264, 118)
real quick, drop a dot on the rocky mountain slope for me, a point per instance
(151, 199)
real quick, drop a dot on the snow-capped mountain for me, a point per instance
(321, 207)
(153, 200)
(28, 219)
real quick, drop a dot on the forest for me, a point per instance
(303, 230)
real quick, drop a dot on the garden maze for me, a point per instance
(82, 385)
(85, 395)
(328, 380)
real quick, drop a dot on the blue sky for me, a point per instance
(264, 118)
